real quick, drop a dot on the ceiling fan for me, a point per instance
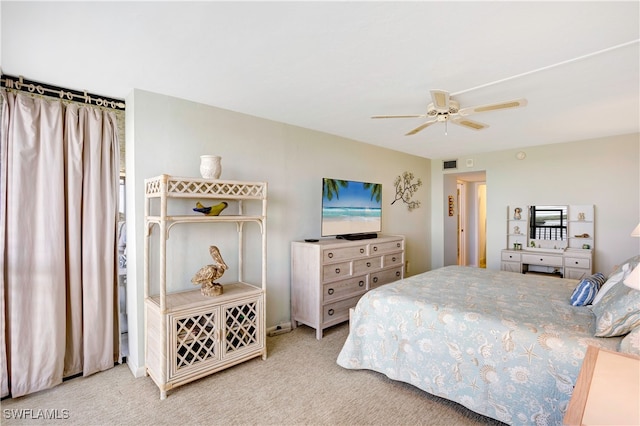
(444, 109)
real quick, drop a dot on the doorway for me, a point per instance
(465, 235)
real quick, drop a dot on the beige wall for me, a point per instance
(168, 135)
(604, 172)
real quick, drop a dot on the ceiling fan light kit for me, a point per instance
(443, 109)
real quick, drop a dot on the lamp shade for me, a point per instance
(636, 232)
(633, 279)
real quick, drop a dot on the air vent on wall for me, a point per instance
(449, 164)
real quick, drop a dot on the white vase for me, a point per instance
(210, 166)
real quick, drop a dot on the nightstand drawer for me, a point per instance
(367, 265)
(340, 289)
(340, 253)
(336, 270)
(577, 262)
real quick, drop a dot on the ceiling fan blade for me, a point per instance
(470, 124)
(516, 103)
(400, 116)
(440, 100)
(421, 127)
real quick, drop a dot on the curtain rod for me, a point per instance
(34, 87)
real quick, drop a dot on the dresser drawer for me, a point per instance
(393, 259)
(340, 253)
(389, 246)
(338, 311)
(336, 270)
(367, 265)
(577, 262)
(340, 289)
(377, 279)
(542, 259)
(510, 256)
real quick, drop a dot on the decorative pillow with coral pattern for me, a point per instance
(617, 276)
(618, 312)
(631, 342)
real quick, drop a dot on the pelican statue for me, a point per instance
(207, 275)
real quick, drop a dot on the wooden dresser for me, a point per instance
(329, 276)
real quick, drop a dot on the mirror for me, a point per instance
(548, 223)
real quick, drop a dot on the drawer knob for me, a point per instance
(375, 279)
(577, 262)
(397, 273)
(337, 270)
(375, 248)
(361, 250)
(331, 291)
(393, 259)
(398, 245)
(330, 255)
(368, 264)
(541, 259)
(361, 283)
(331, 312)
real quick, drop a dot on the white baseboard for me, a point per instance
(135, 370)
(284, 327)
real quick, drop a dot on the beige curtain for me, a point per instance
(59, 193)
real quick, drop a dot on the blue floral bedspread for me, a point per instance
(505, 345)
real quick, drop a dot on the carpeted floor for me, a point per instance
(299, 384)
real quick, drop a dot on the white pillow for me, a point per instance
(613, 280)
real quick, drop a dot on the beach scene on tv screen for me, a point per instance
(350, 207)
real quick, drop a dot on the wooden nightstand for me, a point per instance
(607, 391)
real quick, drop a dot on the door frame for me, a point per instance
(464, 232)
(462, 221)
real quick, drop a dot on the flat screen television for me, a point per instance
(351, 209)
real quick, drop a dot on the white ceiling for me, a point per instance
(329, 66)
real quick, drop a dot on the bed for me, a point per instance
(506, 345)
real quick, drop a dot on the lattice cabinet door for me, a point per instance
(194, 340)
(242, 327)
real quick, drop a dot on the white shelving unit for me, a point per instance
(188, 335)
(516, 228)
(581, 222)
